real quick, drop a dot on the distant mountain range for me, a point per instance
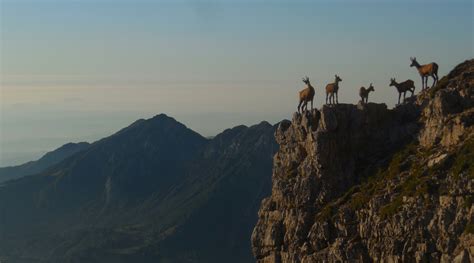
(155, 191)
(48, 160)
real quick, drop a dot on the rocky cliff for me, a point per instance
(363, 183)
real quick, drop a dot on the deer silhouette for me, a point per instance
(306, 95)
(364, 93)
(426, 71)
(332, 89)
(403, 87)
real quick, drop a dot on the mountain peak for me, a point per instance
(159, 125)
(162, 116)
(154, 186)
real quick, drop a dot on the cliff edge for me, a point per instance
(363, 183)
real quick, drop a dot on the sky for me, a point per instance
(79, 70)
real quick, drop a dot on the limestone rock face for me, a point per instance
(363, 183)
(450, 111)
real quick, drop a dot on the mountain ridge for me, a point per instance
(47, 160)
(139, 194)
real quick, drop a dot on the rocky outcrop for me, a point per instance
(449, 109)
(363, 183)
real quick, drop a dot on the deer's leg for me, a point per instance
(299, 105)
(337, 99)
(399, 95)
(435, 79)
(311, 104)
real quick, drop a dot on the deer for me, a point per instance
(331, 90)
(364, 93)
(306, 95)
(426, 71)
(403, 87)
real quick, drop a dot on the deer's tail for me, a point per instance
(435, 68)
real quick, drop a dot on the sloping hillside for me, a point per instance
(154, 191)
(46, 161)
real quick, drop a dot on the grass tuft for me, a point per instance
(392, 208)
(469, 229)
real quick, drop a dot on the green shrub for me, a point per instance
(464, 160)
(359, 200)
(326, 213)
(392, 208)
(469, 229)
(442, 83)
(468, 200)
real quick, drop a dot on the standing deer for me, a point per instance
(332, 89)
(426, 71)
(364, 93)
(306, 95)
(403, 87)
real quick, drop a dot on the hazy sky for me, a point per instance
(77, 70)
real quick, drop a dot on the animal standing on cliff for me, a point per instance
(403, 87)
(364, 93)
(306, 95)
(426, 71)
(332, 89)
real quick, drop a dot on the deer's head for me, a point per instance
(371, 87)
(306, 80)
(414, 63)
(393, 82)
(337, 78)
